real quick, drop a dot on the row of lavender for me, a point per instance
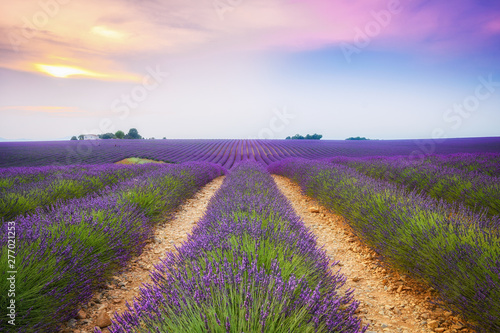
(23, 189)
(450, 247)
(65, 252)
(484, 163)
(250, 265)
(470, 179)
(225, 152)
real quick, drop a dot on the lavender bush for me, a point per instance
(476, 189)
(65, 252)
(451, 248)
(250, 265)
(24, 189)
(486, 163)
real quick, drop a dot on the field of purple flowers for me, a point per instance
(25, 188)
(470, 179)
(443, 243)
(66, 250)
(250, 265)
(227, 152)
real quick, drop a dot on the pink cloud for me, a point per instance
(415, 26)
(493, 26)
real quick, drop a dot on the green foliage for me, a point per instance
(13, 203)
(132, 134)
(74, 138)
(438, 244)
(77, 251)
(57, 188)
(476, 190)
(74, 246)
(357, 138)
(146, 196)
(255, 249)
(219, 315)
(107, 136)
(119, 134)
(307, 137)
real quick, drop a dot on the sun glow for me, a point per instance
(105, 32)
(65, 71)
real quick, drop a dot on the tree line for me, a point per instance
(132, 134)
(307, 137)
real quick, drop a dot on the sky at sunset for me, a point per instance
(383, 69)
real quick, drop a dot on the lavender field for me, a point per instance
(250, 265)
(226, 152)
(444, 243)
(326, 166)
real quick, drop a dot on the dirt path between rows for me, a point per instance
(124, 287)
(390, 302)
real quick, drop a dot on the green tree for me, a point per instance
(74, 138)
(314, 136)
(107, 136)
(133, 134)
(81, 137)
(120, 134)
(307, 137)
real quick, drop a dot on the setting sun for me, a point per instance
(65, 71)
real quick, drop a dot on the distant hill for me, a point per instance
(11, 140)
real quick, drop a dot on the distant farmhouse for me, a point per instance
(90, 137)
